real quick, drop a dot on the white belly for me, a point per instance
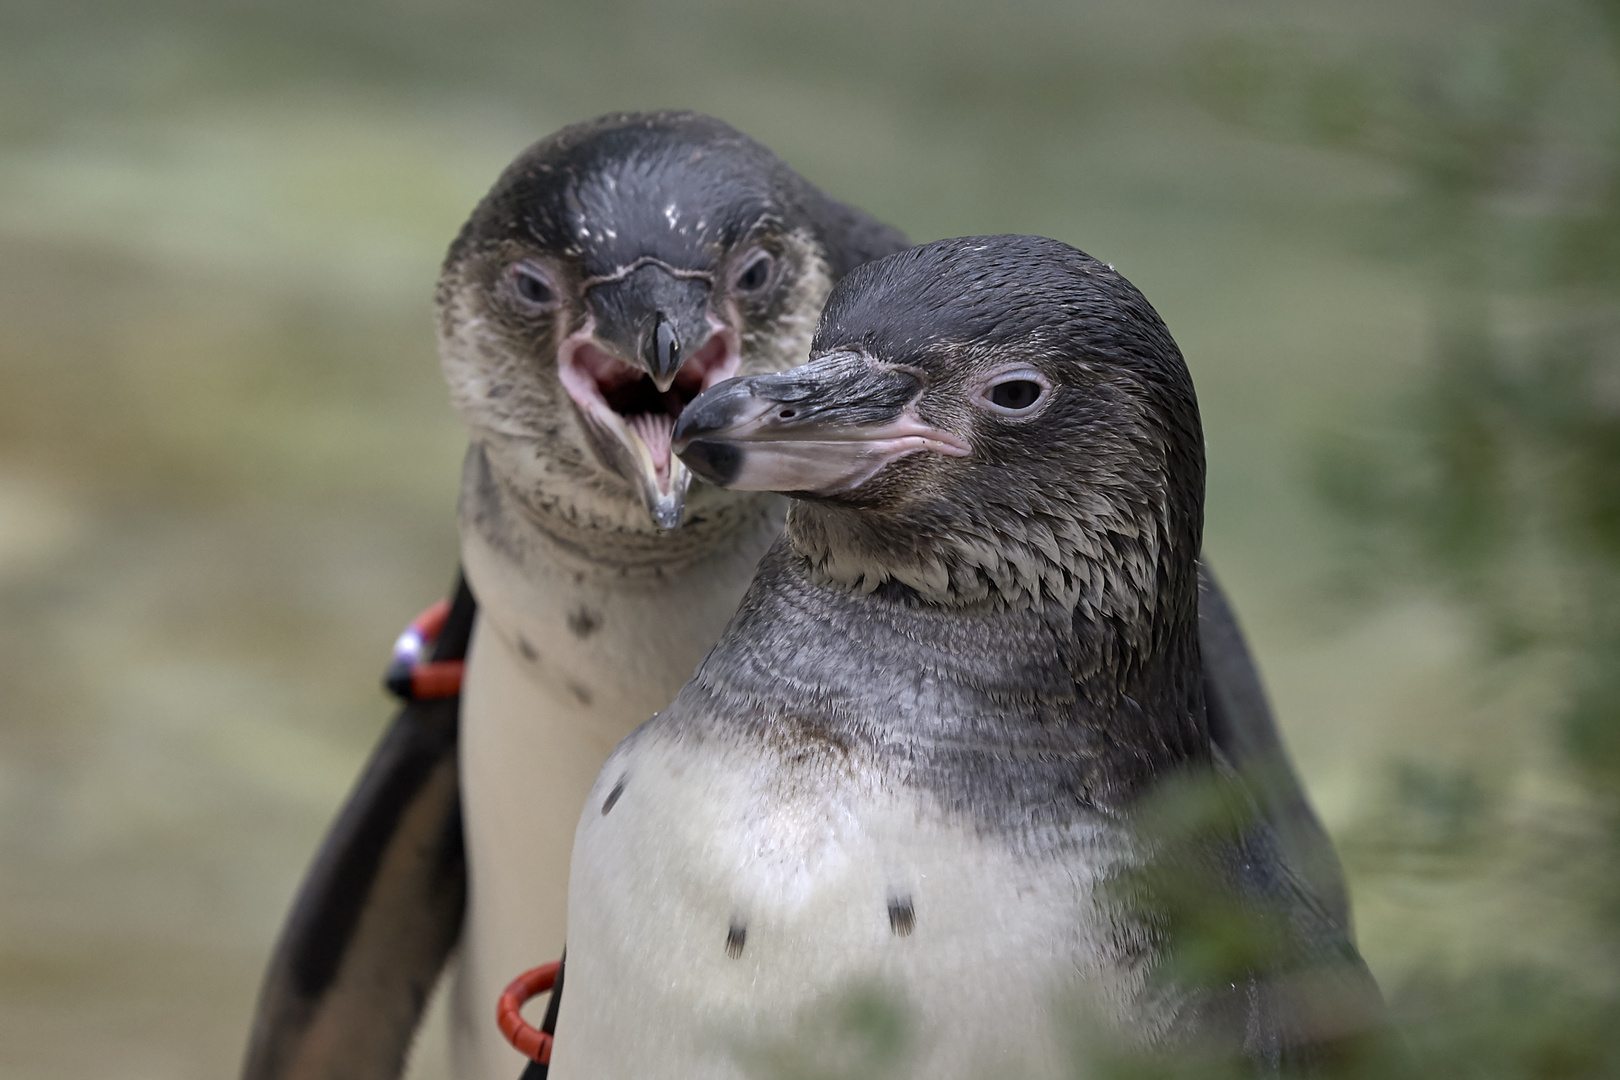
(561, 667)
(810, 859)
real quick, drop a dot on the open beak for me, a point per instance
(630, 406)
(820, 429)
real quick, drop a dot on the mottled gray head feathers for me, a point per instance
(614, 271)
(1084, 483)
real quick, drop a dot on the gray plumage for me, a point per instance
(969, 675)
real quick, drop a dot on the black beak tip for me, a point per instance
(716, 409)
(717, 462)
(665, 348)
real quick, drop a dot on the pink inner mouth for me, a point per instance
(622, 398)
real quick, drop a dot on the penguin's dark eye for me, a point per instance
(533, 288)
(755, 274)
(1018, 394)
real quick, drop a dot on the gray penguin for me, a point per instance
(920, 765)
(615, 270)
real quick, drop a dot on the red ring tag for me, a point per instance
(528, 1040)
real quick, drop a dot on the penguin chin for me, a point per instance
(630, 420)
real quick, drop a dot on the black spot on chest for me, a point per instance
(613, 796)
(526, 650)
(902, 916)
(736, 938)
(584, 622)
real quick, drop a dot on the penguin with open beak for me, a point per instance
(615, 271)
(918, 773)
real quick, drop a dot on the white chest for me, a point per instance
(726, 912)
(562, 666)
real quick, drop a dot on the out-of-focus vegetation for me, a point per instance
(1381, 231)
(1493, 479)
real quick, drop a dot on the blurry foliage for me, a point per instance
(1213, 933)
(1235, 932)
(863, 1031)
(1512, 1022)
(1496, 481)
(1434, 822)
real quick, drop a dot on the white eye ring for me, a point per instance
(1014, 393)
(532, 285)
(755, 272)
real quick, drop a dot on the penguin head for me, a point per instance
(998, 419)
(615, 270)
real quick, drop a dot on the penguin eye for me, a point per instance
(755, 274)
(532, 286)
(1015, 393)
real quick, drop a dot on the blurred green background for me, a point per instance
(1386, 235)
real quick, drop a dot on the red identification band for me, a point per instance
(411, 676)
(437, 679)
(529, 1041)
(430, 624)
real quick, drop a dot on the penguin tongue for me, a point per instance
(654, 431)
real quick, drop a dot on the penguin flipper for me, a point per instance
(380, 908)
(1299, 999)
(1241, 724)
(1321, 1013)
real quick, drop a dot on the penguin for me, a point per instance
(915, 776)
(649, 257)
(616, 269)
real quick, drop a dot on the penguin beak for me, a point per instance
(630, 405)
(655, 316)
(821, 429)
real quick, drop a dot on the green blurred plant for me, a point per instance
(860, 1031)
(1497, 480)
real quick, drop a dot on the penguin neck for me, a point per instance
(988, 703)
(524, 526)
(1128, 589)
(1105, 555)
